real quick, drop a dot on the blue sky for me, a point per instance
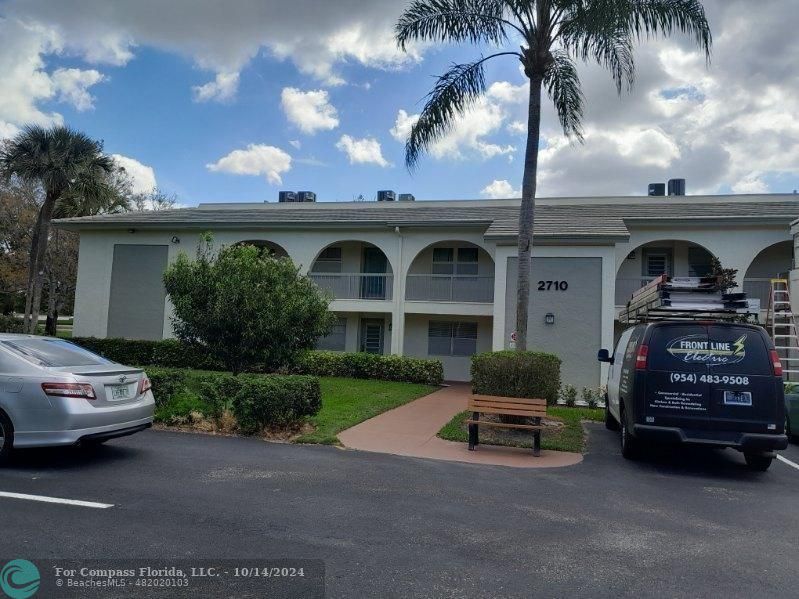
(135, 78)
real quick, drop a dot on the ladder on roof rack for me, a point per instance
(781, 324)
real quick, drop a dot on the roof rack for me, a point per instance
(686, 298)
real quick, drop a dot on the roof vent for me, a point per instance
(406, 197)
(676, 187)
(287, 196)
(306, 196)
(386, 195)
(657, 189)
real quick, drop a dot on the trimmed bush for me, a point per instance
(517, 374)
(370, 366)
(166, 383)
(264, 401)
(166, 353)
(10, 324)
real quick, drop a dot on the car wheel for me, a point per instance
(789, 431)
(757, 462)
(610, 421)
(6, 437)
(629, 444)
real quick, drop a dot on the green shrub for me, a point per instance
(10, 324)
(568, 395)
(590, 397)
(263, 401)
(517, 374)
(180, 407)
(166, 353)
(370, 366)
(166, 383)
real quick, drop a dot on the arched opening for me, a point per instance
(774, 262)
(353, 270)
(672, 257)
(269, 246)
(451, 271)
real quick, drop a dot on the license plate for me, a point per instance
(737, 398)
(120, 392)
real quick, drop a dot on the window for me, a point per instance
(656, 264)
(336, 339)
(329, 260)
(451, 338)
(447, 262)
(699, 262)
(54, 352)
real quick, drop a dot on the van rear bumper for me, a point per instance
(740, 441)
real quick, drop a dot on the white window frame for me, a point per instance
(459, 338)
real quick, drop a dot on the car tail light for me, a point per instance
(145, 384)
(640, 357)
(776, 365)
(84, 390)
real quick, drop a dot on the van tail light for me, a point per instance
(145, 384)
(83, 390)
(776, 365)
(640, 357)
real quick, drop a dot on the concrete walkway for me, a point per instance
(410, 430)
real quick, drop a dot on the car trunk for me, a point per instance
(113, 384)
(710, 377)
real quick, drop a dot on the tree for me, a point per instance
(551, 36)
(245, 306)
(155, 200)
(71, 168)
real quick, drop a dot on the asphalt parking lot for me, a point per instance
(682, 523)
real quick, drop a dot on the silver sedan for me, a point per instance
(53, 392)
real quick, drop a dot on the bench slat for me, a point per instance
(508, 412)
(497, 405)
(519, 400)
(503, 425)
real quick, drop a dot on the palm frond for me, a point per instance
(474, 21)
(452, 94)
(662, 17)
(563, 86)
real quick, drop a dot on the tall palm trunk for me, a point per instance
(38, 253)
(527, 211)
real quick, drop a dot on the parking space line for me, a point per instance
(44, 499)
(787, 461)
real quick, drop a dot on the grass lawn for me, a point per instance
(568, 437)
(346, 402)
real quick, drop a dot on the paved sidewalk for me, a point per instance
(410, 430)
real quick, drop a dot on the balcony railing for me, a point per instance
(626, 286)
(355, 285)
(450, 288)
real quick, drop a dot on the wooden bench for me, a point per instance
(508, 406)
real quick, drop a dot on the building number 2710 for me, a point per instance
(553, 285)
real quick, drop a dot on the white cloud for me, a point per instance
(72, 86)
(500, 189)
(295, 143)
(517, 128)
(362, 151)
(257, 159)
(752, 183)
(142, 177)
(222, 89)
(311, 111)
(505, 91)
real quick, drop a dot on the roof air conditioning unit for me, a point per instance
(657, 189)
(676, 187)
(306, 196)
(287, 196)
(406, 197)
(386, 195)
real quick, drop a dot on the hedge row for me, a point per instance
(256, 401)
(517, 374)
(10, 324)
(170, 353)
(370, 366)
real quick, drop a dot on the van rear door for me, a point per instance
(743, 388)
(677, 391)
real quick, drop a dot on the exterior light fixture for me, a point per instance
(549, 318)
(175, 239)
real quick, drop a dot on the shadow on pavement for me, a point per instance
(67, 458)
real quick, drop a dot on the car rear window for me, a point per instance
(54, 352)
(681, 348)
(742, 349)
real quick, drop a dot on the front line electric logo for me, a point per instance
(19, 579)
(698, 349)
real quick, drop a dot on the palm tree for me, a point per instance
(551, 36)
(71, 168)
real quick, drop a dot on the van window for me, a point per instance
(682, 348)
(741, 351)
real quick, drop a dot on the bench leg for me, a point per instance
(474, 434)
(537, 440)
